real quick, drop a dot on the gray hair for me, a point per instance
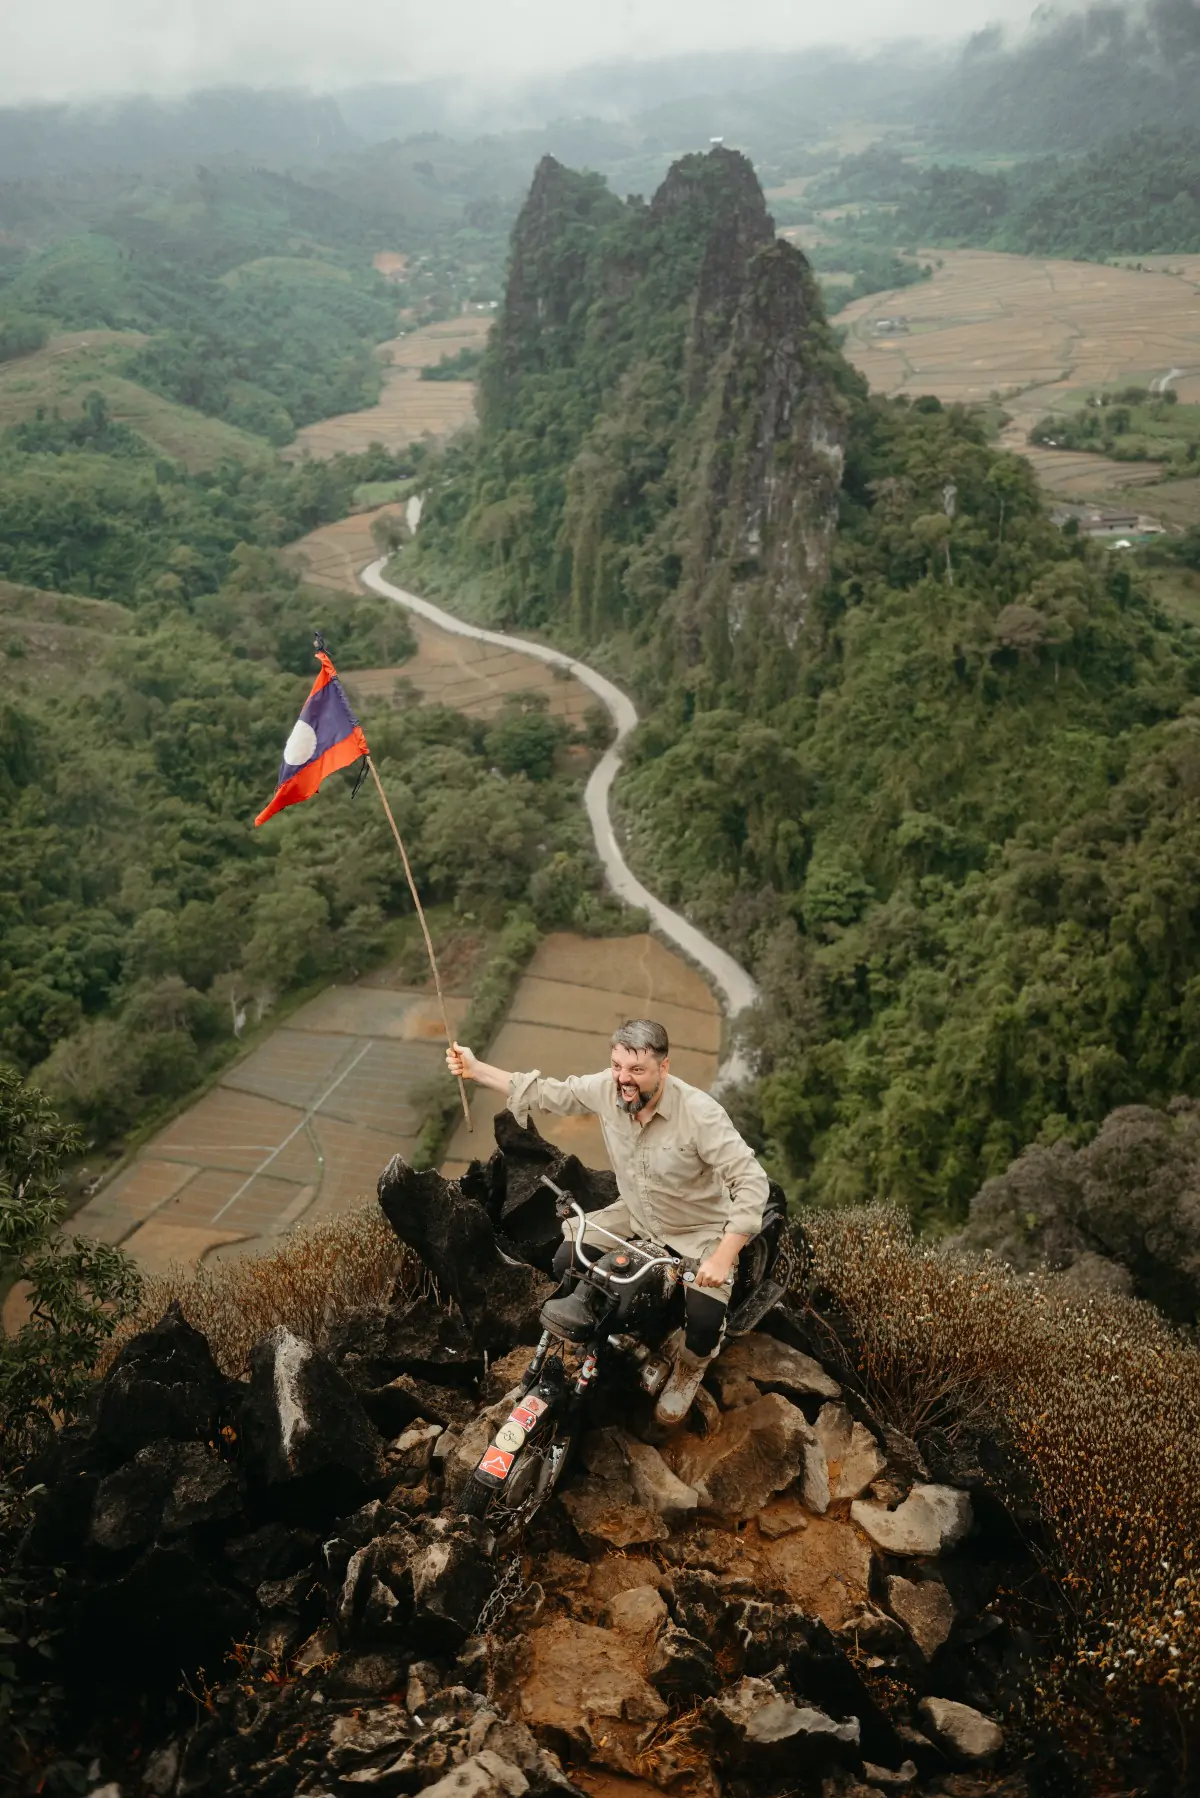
(642, 1033)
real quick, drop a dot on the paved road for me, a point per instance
(732, 982)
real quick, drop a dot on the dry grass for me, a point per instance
(1099, 1402)
(314, 1279)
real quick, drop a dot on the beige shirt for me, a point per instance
(686, 1177)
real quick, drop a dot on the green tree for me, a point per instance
(77, 1289)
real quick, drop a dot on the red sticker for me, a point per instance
(497, 1462)
(527, 1412)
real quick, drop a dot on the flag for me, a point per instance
(326, 736)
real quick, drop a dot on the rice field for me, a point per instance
(1041, 334)
(408, 407)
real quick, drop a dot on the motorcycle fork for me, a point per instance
(587, 1373)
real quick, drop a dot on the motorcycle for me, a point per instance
(628, 1328)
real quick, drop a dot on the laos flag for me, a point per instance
(326, 736)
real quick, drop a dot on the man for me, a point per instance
(684, 1175)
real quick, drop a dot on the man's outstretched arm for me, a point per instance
(563, 1098)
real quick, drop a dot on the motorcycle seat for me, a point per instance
(572, 1317)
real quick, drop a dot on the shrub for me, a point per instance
(310, 1282)
(1097, 1403)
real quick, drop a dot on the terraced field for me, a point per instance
(408, 408)
(991, 323)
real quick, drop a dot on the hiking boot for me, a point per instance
(677, 1396)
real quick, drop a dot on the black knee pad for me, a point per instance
(705, 1321)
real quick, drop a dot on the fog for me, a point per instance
(77, 49)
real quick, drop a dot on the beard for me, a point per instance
(631, 1107)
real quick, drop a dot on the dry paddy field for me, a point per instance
(408, 408)
(1042, 333)
(990, 323)
(300, 1129)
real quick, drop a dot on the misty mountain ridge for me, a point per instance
(1067, 82)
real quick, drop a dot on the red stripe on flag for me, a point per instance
(305, 781)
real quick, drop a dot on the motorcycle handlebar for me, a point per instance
(565, 1204)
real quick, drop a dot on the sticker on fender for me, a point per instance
(497, 1462)
(527, 1412)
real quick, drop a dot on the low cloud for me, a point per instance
(66, 49)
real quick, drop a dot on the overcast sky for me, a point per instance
(56, 49)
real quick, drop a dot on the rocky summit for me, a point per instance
(780, 1597)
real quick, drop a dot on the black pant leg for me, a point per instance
(705, 1319)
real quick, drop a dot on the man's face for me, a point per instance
(638, 1076)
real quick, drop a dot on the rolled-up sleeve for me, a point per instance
(567, 1098)
(737, 1167)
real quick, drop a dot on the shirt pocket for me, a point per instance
(674, 1167)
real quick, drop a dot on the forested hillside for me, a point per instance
(927, 763)
(1073, 78)
(1133, 195)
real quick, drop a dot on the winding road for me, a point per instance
(735, 987)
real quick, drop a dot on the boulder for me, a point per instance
(638, 1611)
(931, 1520)
(681, 1666)
(763, 1728)
(891, 1779)
(759, 1450)
(607, 1515)
(168, 1487)
(852, 1454)
(781, 1518)
(617, 1456)
(163, 1383)
(204, 1491)
(269, 1553)
(452, 1234)
(869, 1631)
(406, 1461)
(453, 1574)
(731, 1389)
(309, 1449)
(824, 1569)
(484, 1775)
(405, 1399)
(129, 1502)
(776, 1367)
(582, 1683)
(960, 1729)
(926, 1610)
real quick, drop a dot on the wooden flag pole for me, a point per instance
(412, 887)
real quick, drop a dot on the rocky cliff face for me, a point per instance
(665, 416)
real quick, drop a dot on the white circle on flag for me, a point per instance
(300, 745)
